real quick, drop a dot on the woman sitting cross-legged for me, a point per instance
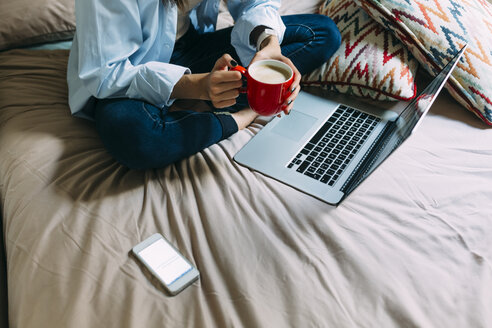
(131, 60)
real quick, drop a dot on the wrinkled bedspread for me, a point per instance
(410, 247)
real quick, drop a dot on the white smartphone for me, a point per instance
(164, 261)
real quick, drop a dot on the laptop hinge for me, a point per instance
(371, 155)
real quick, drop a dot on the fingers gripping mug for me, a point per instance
(268, 85)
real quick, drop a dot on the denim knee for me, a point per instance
(125, 136)
(310, 40)
(330, 36)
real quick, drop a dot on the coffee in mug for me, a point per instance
(268, 73)
(268, 85)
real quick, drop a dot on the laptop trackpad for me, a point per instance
(294, 125)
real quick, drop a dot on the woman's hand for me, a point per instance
(221, 85)
(270, 49)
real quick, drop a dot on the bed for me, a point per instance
(410, 247)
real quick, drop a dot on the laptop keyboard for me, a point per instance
(331, 149)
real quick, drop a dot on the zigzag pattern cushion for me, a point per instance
(370, 62)
(434, 31)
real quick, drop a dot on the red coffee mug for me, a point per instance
(268, 85)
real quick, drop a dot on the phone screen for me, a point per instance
(165, 261)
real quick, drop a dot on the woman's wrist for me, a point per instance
(191, 86)
(270, 44)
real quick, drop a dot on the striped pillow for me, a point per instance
(370, 62)
(434, 31)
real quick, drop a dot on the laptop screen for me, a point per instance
(399, 130)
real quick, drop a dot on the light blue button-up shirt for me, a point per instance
(122, 48)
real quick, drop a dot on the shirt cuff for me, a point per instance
(155, 82)
(242, 29)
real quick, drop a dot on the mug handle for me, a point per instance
(244, 73)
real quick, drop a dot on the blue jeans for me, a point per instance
(141, 136)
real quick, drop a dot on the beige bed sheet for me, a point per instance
(411, 247)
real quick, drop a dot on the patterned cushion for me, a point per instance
(370, 62)
(435, 30)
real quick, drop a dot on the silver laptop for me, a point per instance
(328, 145)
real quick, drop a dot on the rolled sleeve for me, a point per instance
(154, 82)
(248, 16)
